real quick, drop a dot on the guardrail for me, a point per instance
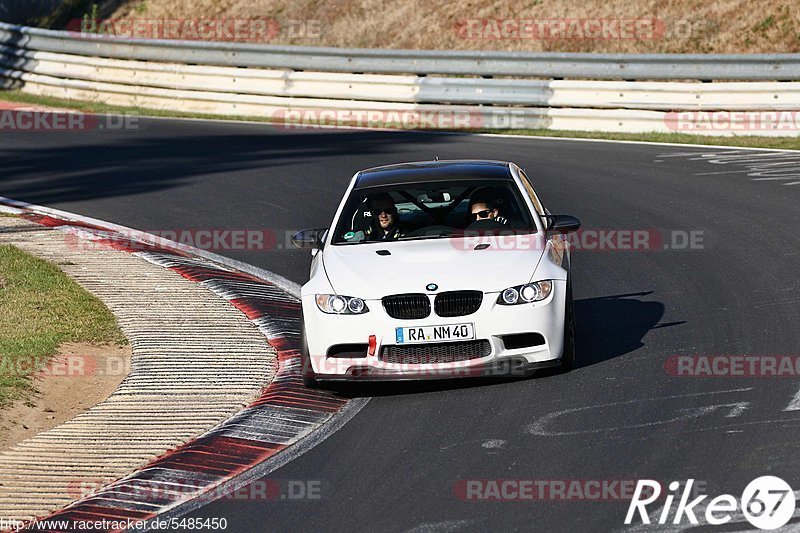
(779, 67)
(266, 80)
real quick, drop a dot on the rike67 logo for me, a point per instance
(767, 502)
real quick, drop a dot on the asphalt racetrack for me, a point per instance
(719, 277)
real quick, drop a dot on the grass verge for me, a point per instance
(41, 308)
(93, 107)
(752, 141)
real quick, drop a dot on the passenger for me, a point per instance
(385, 221)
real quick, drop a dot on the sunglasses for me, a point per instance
(482, 214)
(381, 210)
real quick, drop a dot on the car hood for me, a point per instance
(450, 263)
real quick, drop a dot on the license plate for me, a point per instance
(451, 332)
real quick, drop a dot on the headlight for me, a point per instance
(522, 294)
(341, 305)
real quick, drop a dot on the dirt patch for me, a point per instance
(79, 377)
(683, 26)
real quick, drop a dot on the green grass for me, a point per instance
(68, 10)
(92, 107)
(41, 308)
(765, 24)
(783, 143)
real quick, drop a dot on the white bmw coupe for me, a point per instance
(437, 269)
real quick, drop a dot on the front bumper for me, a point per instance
(510, 366)
(492, 322)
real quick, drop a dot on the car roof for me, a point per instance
(425, 171)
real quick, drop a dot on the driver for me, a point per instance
(385, 224)
(484, 212)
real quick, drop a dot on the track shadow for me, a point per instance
(26, 11)
(11, 64)
(90, 165)
(606, 327)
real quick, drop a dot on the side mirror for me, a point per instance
(310, 239)
(562, 223)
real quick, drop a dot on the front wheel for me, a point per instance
(568, 353)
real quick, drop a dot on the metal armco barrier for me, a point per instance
(271, 81)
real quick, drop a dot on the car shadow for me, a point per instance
(611, 326)
(606, 327)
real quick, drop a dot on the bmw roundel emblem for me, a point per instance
(431, 287)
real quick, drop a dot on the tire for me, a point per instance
(310, 382)
(309, 378)
(568, 353)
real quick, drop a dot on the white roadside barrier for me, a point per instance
(311, 98)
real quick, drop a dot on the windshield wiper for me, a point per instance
(437, 235)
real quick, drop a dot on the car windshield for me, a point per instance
(432, 210)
